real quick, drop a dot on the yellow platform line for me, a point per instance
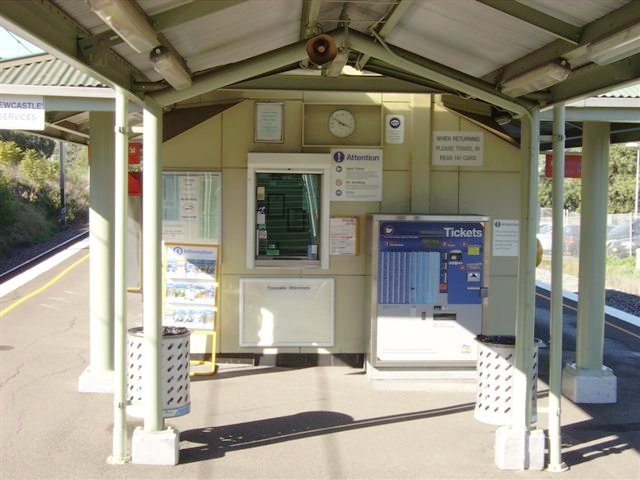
(44, 287)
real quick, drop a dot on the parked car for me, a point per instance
(624, 239)
(545, 237)
(571, 234)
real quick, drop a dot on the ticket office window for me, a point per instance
(288, 216)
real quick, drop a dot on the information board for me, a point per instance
(191, 207)
(190, 285)
(291, 312)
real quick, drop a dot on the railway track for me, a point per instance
(41, 256)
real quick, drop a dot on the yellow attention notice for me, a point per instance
(475, 250)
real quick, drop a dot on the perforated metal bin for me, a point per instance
(495, 366)
(176, 400)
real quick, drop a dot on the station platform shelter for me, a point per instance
(333, 182)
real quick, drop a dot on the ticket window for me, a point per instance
(287, 211)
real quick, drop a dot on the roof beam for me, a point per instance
(439, 73)
(392, 20)
(596, 79)
(177, 16)
(235, 72)
(46, 26)
(553, 25)
(309, 18)
(342, 83)
(614, 21)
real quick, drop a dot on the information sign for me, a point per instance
(356, 175)
(343, 236)
(506, 238)
(190, 285)
(458, 148)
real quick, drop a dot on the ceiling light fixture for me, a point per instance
(534, 80)
(615, 47)
(128, 22)
(167, 64)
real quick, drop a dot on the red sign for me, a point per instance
(135, 184)
(135, 173)
(572, 165)
(135, 153)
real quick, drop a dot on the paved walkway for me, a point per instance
(272, 423)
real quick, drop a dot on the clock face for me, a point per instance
(342, 123)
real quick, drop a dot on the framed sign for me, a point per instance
(191, 207)
(269, 122)
(190, 287)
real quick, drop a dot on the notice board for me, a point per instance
(191, 207)
(287, 312)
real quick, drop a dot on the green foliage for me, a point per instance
(44, 146)
(30, 193)
(622, 178)
(21, 223)
(621, 266)
(37, 173)
(10, 154)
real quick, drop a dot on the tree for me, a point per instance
(622, 178)
(44, 146)
(37, 172)
(10, 153)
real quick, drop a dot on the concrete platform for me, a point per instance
(272, 423)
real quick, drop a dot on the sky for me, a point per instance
(12, 46)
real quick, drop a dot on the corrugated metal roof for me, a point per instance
(44, 70)
(629, 92)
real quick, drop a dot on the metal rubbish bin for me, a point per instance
(494, 393)
(175, 372)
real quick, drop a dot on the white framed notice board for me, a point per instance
(191, 207)
(287, 312)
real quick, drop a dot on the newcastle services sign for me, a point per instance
(21, 112)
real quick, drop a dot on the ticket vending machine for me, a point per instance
(428, 289)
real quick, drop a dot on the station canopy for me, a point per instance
(210, 53)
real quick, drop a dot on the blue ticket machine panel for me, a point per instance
(429, 289)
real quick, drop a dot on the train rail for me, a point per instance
(18, 269)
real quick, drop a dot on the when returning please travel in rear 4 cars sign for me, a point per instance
(458, 148)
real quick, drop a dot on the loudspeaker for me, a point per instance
(321, 49)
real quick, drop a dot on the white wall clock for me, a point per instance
(342, 123)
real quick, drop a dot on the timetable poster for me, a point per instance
(191, 207)
(190, 285)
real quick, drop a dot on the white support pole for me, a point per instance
(153, 445)
(152, 267)
(525, 320)
(120, 454)
(556, 323)
(98, 376)
(518, 446)
(588, 380)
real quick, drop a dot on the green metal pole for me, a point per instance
(555, 352)
(593, 234)
(521, 419)
(120, 285)
(152, 265)
(101, 218)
